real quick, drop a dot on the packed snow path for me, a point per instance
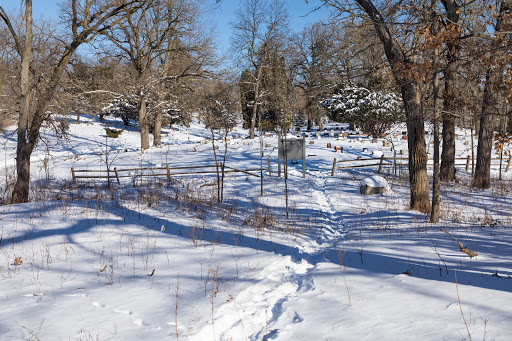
(150, 263)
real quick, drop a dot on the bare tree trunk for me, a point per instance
(24, 148)
(418, 176)
(472, 145)
(255, 105)
(493, 79)
(157, 133)
(310, 122)
(253, 119)
(217, 171)
(482, 178)
(411, 96)
(143, 122)
(226, 133)
(448, 154)
(30, 120)
(436, 191)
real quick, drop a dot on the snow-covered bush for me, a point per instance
(373, 111)
(113, 133)
(173, 113)
(123, 107)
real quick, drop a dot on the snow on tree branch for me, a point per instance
(373, 111)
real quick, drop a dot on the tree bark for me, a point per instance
(24, 148)
(482, 178)
(143, 122)
(436, 191)
(493, 80)
(418, 176)
(256, 99)
(157, 133)
(450, 82)
(419, 191)
(448, 153)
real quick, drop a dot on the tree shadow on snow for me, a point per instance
(477, 273)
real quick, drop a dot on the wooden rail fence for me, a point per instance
(167, 171)
(337, 164)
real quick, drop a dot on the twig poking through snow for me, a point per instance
(460, 306)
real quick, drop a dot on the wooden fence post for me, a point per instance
(380, 164)
(333, 167)
(394, 162)
(168, 173)
(269, 170)
(73, 175)
(467, 163)
(117, 175)
(508, 163)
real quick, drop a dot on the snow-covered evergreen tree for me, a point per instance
(373, 111)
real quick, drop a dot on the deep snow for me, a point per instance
(164, 261)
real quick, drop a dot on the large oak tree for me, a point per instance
(403, 68)
(84, 20)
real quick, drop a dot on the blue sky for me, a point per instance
(223, 16)
(40, 7)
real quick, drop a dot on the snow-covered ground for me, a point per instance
(161, 261)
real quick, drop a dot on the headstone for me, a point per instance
(374, 185)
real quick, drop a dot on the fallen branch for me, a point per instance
(462, 248)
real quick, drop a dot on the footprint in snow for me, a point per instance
(140, 323)
(121, 311)
(98, 305)
(297, 318)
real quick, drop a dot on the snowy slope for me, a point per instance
(166, 262)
